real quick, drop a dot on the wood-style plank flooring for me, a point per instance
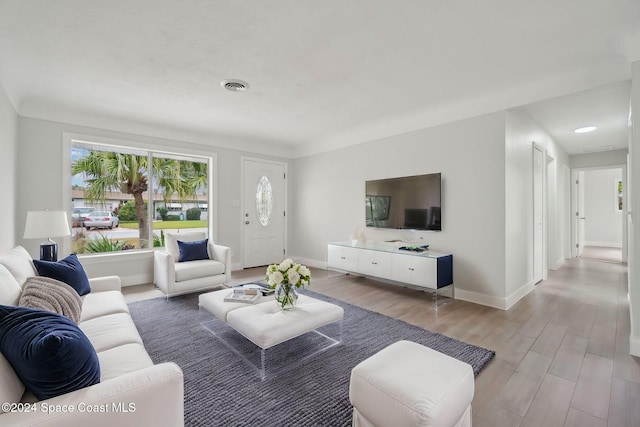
(562, 352)
(602, 253)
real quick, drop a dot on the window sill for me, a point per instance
(108, 257)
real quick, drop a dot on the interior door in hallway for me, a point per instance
(263, 216)
(580, 213)
(538, 213)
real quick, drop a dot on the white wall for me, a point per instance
(634, 211)
(600, 160)
(8, 168)
(40, 186)
(521, 132)
(603, 224)
(327, 195)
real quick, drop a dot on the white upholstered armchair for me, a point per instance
(173, 276)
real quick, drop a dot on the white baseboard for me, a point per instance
(501, 303)
(559, 263)
(518, 294)
(310, 262)
(482, 299)
(136, 279)
(604, 244)
(634, 346)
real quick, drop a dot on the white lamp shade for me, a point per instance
(46, 224)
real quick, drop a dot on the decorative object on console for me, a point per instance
(47, 224)
(357, 235)
(285, 278)
(414, 248)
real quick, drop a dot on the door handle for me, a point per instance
(246, 222)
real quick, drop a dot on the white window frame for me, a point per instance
(69, 138)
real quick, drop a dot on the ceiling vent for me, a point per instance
(235, 85)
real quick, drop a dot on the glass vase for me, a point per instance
(286, 295)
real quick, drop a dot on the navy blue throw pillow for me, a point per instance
(193, 251)
(48, 352)
(68, 270)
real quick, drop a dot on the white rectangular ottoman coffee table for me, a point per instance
(266, 326)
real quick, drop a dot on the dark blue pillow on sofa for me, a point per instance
(193, 251)
(68, 270)
(48, 352)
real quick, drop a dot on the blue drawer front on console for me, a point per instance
(445, 271)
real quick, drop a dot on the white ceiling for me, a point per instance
(323, 74)
(606, 107)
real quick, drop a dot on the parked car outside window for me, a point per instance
(78, 215)
(101, 219)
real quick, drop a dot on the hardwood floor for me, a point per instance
(562, 352)
(601, 253)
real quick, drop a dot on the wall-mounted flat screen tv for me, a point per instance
(408, 202)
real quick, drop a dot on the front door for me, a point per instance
(263, 216)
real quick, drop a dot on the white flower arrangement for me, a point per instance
(288, 273)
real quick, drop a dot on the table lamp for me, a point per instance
(47, 224)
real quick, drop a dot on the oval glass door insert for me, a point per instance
(264, 201)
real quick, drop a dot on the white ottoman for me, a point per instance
(266, 326)
(407, 384)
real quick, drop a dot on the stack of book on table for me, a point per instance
(248, 293)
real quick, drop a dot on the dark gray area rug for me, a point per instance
(221, 390)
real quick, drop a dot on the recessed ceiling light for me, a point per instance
(235, 85)
(585, 129)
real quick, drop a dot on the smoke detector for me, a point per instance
(235, 85)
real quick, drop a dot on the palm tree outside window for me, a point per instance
(128, 183)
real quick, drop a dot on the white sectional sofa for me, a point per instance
(132, 390)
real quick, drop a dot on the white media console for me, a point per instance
(385, 260)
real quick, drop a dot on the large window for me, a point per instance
(124, 199)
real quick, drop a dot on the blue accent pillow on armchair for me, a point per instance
(48, 352)
(193, 251)
(68, 270)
